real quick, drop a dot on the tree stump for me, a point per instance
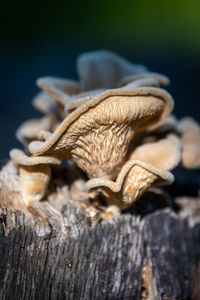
(46, 253)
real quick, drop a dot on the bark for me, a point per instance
(50, 254)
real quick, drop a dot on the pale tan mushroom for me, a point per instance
(59, 89)
(134, 179)
(160, 79)
(35, 174)
(96, 70)
(190, 138)
(164, 153)
(45, 104)
(30, 130)
(104, 69)
(97, 135)
(148, 165)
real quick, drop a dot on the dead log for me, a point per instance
(50, 254)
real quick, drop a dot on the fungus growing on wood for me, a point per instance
(97, 135)
(35, 174)
(115, 124)
(190, 138)
(148, 165)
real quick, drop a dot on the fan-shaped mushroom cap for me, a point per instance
(165, 153)
(35, 174)
(60, 89)
(160, 79)
(45, 104)
(104, 69)
(190, 138)
(134, 179)
(29, 130)
(97, 135)
(80, 99)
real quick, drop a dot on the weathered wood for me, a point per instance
(50, 254)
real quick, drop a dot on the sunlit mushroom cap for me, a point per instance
(164, 153)
(104, 69)
(134, 179)
(190, 138)
(97, 135)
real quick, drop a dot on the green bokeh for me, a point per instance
(172, 24)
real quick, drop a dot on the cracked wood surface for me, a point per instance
(46, 254)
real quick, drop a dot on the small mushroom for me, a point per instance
(134, 179)
(190, 138)
(148, 165)
(35, 174)
(45, 104)
(164, 153)
(30, 130)
(160, 79)
(97, 135)
(104, 69)
(59, 89)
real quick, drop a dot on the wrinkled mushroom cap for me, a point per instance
(190, 138)
(133, 180)
(59, 89)
(45, 104)
(148, 165)
(29, 130)
(104, 69)
(161, 80)
(164, 153)
(97, 135)
(24, 160)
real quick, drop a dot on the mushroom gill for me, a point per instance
(148, 165)
(97, 135)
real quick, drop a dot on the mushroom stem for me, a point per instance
(34, 181)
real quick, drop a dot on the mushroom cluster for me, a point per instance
(115, 124)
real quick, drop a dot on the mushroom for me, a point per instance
(59, 89)
(97, 135)
(45, 104)
(148, 165)
(132, 181)
(30, 130)
(35, 174)
(190, 138)
(96, 70)
(104, 69)
(159, 78)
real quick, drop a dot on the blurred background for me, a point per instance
(42, 38)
